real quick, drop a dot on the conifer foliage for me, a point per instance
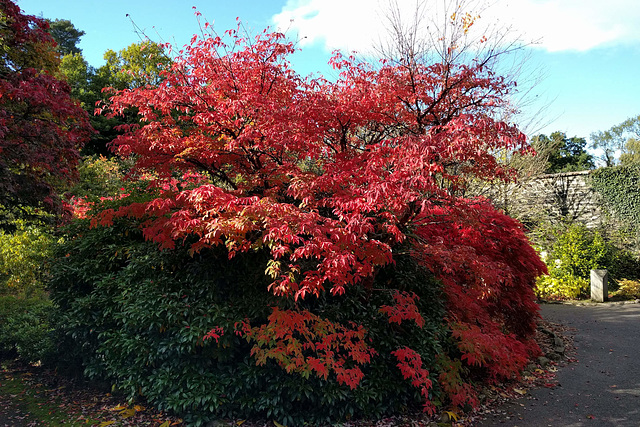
(335, 180)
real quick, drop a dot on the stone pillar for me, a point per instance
(599, 285)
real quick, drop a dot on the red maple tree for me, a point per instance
(331, 178)
(41, 127)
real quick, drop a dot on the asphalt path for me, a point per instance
(602, 388)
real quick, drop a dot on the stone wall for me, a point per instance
(562, 195)
(553, 197)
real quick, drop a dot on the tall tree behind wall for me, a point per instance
(619, 144)
(565, 154)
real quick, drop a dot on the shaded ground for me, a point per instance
(602, 388)
(37, 397)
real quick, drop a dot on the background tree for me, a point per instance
(619, 142)
(630, 130)
(73, 67)
(631, 155)
(66, 35)
(565, 154)
(41, 126)
(80, 75)
(137, 65)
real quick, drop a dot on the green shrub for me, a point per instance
(136, 316)
(25, 329)
(623, 265)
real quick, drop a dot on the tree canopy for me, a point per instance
(564, 154)
(620, 143)
(331, 179)
(41, 126)
(66, 35)
(139, 64)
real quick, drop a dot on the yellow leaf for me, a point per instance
(139, 408)
(452, 415)
(519, 391)
(165, 424)
(239, 423)
(106, 423)
(119, 408)
(127, 413)
(277, 424)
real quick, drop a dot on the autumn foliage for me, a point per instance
(41, 127)
(334, 181)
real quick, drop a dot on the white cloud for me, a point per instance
(337, 24)
(573, 24)
(559, 24)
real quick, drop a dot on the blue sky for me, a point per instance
(588, 50)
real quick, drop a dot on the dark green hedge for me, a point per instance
(136, 316)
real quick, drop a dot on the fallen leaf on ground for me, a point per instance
(128, 413)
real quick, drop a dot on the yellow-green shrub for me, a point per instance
(575, 252)
(99, 177)
(23, 258)
(568, 287)
(579, 250)
(628, 288)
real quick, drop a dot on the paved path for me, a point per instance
(602, 388)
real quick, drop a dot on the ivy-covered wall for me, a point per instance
(619, 190)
